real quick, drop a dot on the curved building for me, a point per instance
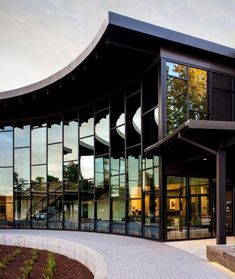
(125, 139)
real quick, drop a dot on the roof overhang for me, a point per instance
(123, 48)
(196, 138)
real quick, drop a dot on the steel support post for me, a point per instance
(221, 197)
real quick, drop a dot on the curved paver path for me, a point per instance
(135, 258)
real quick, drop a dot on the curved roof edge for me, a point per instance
(61, 73)
(131, 24)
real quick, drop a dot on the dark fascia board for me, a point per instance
(125, 22)
(193, 124)
(170, 35)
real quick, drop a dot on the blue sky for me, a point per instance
(38, 38)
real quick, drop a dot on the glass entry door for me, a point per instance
(188, 208)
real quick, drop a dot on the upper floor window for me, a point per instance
(186, 89)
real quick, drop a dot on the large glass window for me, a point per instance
(54, 176)
(186, 92)
(151, 197)
(6, 197)
(22, 169)
(70, 141)
(197, 93)
(22, 136)
(38, 178)
(39, 210)
(134, 176)
(54, 133)
(6, 149)
(38, 146)
(71, 210)
(22, 210)
(70, 173)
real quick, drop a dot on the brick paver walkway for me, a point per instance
(135, 258)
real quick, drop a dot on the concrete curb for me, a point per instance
(93, 260)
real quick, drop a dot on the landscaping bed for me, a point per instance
(20, 262)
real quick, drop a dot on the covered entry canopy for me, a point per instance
(196, 139)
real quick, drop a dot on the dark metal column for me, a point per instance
(233, 212)
(162, 202)
(221, 197)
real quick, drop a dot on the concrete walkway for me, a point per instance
(129, 257)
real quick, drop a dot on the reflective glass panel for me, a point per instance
(117, 166)
(102, 130)
(103, 209)
(87, 167)
(22, 208)
(176, 103)
(134, 182)
(55, 133)
(54, 176)
(71, 176)
(118, 186)
(6, 211)
(38, 146)
(101, 177)
(87, 143)
(71, 210)
(176, 218)
(134, 217)
(199, 186)
(118, 209)
(22, 169)
(70, 141)
(176, 186)
(6, 149)
(176, 70)
(151, 209)
(199, 210)
(6, 197)
(38, 179)
(87, 207)
(22, 136)
(39, 210)
(87, 128)
(6, 181)
(136, 121)
(198, 92)
(55, 210)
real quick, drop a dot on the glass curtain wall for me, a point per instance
(85, 170)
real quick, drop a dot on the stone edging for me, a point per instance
(89, 257)
(222, 254)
